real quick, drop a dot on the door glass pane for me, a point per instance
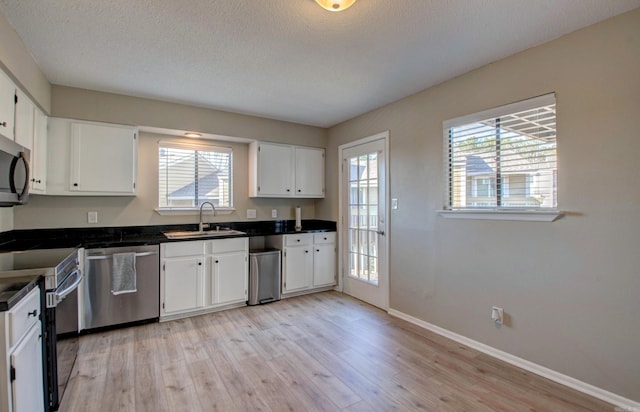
(373, 270)
(373, 244)
(363, 272)
(373, 218)
(372, 166)
(353, 265)
(354, 170)
(363, 218)
(353, 217)
(353, 240)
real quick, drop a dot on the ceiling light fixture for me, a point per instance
(192, 134)
(335, 5)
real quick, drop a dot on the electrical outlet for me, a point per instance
(251, 213)
(92, 217)
(274, 213)
(497, 315)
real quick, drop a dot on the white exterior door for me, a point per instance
(363, 212)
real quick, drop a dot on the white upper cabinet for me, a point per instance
(279, 170)
(39, 153)
(31, 132)
(272, 170)
(7, 106)
(89, 158)
(309, 172)
(103, 158)
(25, 113)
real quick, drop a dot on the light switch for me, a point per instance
(251, 213)
(394, 203)
(92, 217)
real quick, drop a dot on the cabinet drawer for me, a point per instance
(177, 249)
(327, 237)
(23, 316)
(301, 239)
(227, 245)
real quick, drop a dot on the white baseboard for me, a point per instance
(617, 400)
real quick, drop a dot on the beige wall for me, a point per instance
(17, 62)
(6, 219)
(572, 287)
(107, 107)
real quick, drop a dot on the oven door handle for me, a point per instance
(53, 298)
(105, 257)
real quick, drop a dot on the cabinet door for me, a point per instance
(7, 105)
(324, 265)
(27, 388)
(298, 268)
(24, 121)
(39, 153)
(275, 170)
(230, 277)
(309, 172)
(103, 158)
(182, 285)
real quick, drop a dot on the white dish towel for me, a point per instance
(123, 274)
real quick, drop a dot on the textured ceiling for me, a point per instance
(284, 59)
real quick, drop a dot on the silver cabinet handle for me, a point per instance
(105, 257)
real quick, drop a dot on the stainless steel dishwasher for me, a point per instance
(103, 308)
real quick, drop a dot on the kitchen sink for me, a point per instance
(186, 234)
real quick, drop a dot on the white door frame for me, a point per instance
(341, 212)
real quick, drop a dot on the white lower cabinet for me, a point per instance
(324, 265)
(309, 260)
(226, 285)
(297, 268)
(202, 276)
(21, 385)
(182, 285)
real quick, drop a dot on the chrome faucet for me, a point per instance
(213, 208)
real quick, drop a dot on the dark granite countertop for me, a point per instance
(14, 288)
(142, 235)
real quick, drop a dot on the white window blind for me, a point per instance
(191, 174)
(503, 158)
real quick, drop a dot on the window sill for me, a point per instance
(192, 211)
(520, 215)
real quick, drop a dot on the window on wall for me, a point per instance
(189, 175)
(503, 158)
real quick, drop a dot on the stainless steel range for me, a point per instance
(62, 273)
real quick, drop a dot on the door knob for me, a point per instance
(380, 232)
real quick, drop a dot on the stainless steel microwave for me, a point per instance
(14, 173)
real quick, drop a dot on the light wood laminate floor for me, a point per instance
(320, 352)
